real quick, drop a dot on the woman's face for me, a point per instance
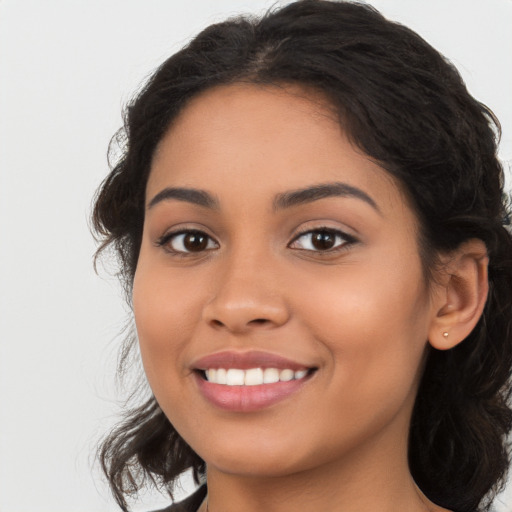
(274, 250)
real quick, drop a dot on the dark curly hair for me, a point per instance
(408, 109)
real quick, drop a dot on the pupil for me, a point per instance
(323, 240)
(195, 242)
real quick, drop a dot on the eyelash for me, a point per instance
(347, 240)
(165, 240)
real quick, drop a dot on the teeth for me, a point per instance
(235, 377)
(286, 375)
(253, 376)
(221, 376)
(300, 374)
(270, 375)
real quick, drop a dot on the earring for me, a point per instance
(445, 334)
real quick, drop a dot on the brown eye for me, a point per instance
(188, 242)
(322, 240)
(194, 242)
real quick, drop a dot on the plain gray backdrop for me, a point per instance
(66, 68)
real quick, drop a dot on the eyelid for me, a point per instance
(164, 240)
(348, 239)
(184, 227)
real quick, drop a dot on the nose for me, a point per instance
(247, 295)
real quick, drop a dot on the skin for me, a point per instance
(361, 314)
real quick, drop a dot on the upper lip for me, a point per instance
(245, 360)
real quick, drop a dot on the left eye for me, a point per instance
(321, 240)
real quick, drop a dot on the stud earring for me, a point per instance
(445, 334)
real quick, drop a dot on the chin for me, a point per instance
(254, 457)
(255, 465)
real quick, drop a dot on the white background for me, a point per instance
(66, 68)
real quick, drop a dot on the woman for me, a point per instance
(309, 220)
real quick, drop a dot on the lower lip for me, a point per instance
(248, 398)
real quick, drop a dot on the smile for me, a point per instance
(252, 376)
(249, 381)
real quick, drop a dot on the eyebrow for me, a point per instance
(322, 191)
(281, 201)
(189, 195)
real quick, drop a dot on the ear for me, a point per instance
(461, 295)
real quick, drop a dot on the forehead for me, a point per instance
(259, 114)
(246, 137)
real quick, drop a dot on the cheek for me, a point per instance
(163, 313)
(375, 348)
(374, 323)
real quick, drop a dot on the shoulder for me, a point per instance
(190, 504)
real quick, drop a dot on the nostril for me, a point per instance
(257, 321)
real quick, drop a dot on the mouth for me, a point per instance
(249, 381)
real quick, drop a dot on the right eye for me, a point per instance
(187, 242)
